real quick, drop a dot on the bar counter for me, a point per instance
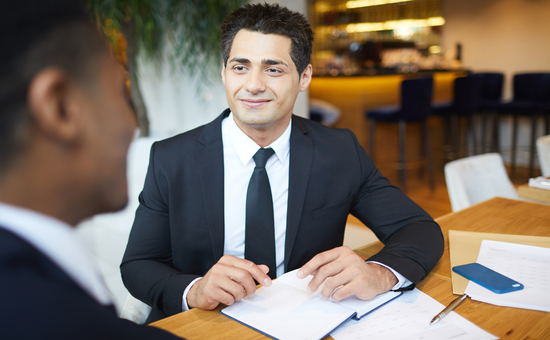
(354, 95)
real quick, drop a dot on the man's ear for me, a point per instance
(305, 79)
(51, 108)
(223, 73)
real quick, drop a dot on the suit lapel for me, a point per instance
(209, 153)
(27, 255)
(301, 158)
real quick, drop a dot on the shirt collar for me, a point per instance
(59, 242)
(246, 148)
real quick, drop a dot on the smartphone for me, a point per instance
(488, 278)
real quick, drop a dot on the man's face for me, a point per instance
(110, 125)
(261, 80)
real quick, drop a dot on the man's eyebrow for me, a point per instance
(273, 62)
(240, 60)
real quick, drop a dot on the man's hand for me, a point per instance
(226, 282)
(347, 270)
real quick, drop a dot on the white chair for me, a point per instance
(543, 150)
(328, 113)
(475, 179)
(135, 310)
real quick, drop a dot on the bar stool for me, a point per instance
(532, 99)
(490, 100)
(466, 95)
(416, 96)
(543, 150)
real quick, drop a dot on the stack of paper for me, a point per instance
(408, 318)
(528, 265)
(540, 182)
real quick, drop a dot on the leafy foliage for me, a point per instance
(191, 26)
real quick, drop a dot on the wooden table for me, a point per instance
(498, 215)
(536, 194)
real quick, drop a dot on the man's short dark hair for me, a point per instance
(34, 35)
(270, 19)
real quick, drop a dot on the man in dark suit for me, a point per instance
(203, 232)
(65, 128)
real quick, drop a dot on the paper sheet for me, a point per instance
(360, 306)
(528, 265)
(464, 248)
(408, 318)
(540, 182)
(287, 310)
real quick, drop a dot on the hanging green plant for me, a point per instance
(190, 27)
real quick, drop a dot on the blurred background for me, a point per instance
(363, 51)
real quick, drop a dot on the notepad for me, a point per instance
(287, 310)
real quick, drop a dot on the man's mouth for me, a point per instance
(254, 102)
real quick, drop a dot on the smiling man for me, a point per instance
(262, 84)
(259, 191)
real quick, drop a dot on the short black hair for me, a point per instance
(34, 35)
(270, 19)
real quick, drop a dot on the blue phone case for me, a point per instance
(488, 278)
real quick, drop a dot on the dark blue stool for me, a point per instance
(466, 95)
(489, 102)
(416, 97)
(531, 98)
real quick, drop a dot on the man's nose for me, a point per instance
(255, 82)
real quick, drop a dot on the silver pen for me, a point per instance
(456, 302)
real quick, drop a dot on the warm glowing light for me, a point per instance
(394, 25)
(368, 3)
(435, 49)
(436, 21)
(322, 7)
(404, 33)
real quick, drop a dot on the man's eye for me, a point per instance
(239, 68)
(273, 70)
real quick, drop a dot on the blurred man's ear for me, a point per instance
(53, 110)
(305, 78)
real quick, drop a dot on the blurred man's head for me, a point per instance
(65, 119)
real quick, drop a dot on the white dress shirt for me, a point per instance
(59, 242)
(238, 153)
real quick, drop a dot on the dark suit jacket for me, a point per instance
(39, 301)
(178, 232)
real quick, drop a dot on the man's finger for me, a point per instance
(327, 271)
(339, 286)
(264, 268)
(318, 261)
(349, 289)
(254, 270)
(235, 289)
(224, 297)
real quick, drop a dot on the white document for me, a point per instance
(529, 265)
(540, 182)
(361, 307)
(287, 310)
(408, 318)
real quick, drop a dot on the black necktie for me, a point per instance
(259, 245)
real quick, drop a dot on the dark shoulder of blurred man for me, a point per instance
(65, 128)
